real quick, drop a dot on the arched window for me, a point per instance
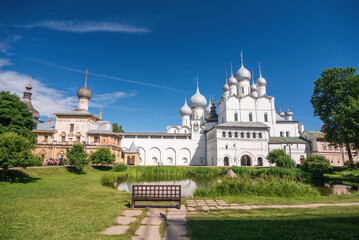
(236, 116)
(265, 117)
(223, 134)
(260, 161)
(260, 135)
(229, 134)
(248, 135)
(250, 117)
(236, 135)
(242, 134)
(242, 90)
(254, 135)
(282, 134)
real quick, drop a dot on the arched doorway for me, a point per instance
(246, 160)
(226, 161)
(260, 161)
(302, 160)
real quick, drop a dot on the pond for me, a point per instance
(188, 185)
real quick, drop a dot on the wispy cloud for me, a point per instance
(56, 66)
(6, 44)
(105, 99)
(87, 26)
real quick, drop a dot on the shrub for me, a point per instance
(38, 160)
(108, 179)
(102, 156)
(317, 165)
(352, 164)
(119, 167)
(281, 159)
(77, 157)
(347, 174)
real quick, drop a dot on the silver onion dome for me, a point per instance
(225, 88)
(207, 110)
(261, 80)
(254, 87)
(197, 100)
(185, 110)
(289, 113)
(243, 74)
(232, 81)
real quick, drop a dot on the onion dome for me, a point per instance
(225, 86)
(261, 81)
(197, 100)
(232, 80)
(253, 87)
(281, 113)
(207, 110)
(27, 99)
(289, 113)
(84, 92)
(185, 110)
(242, 73)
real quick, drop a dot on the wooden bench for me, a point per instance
(156, 193)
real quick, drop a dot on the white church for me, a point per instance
(242, 132)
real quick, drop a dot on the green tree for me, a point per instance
(15, 151)
(280, 159)
(117, 128)
(77, 157)
(317, 165)
(102, 156)
(336, 101)
(15, 116)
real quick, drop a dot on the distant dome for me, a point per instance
(84, 92)
(232, 81)
(289, 113)
(28, 86)
(261, 81)
(207, 110)
(243, 74)
(185, 110)
(280, 113)
(225, 88)
(197, 100)
(253, 87)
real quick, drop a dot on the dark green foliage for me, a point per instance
(352, 165)
(317, 165)
(117, 128)
(281, 159)
(102, 156)
(119, 167)
(268, 186)
(15, 151)
(273, 171)
(108, 179)
(77, 157)
(15, 116)
(336, 101)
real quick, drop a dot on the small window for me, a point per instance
(96, 139)
(236, 135)
(287, 134)
(242, 90)
(260, 135)
(248, 135)
(250, 117)
(63, 139)
(242, 135)
(72, 126)
(282, 134)
(78, 139)
(226, 146)
(265, 117)
(46, 138)
(254, 135)
(230, 134)
(223, 134)
(236, 117)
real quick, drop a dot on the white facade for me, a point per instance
(246, 128)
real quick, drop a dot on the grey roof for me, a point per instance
(279, 117)
(77, 112)
(133, 148)
(46, 126)
(99, 131)
(243, 124)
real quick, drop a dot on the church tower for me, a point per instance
(27, 99)
(84, 94)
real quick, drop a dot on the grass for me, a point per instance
(315, 223)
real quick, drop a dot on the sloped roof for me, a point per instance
(45, 126)
(133, 148)
(286, 140)
(317, 134)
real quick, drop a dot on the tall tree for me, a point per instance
(336, 101)
(77, 157)
(117, 128)
(15, 116)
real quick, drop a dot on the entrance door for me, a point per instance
(246, 161)
(226, 161)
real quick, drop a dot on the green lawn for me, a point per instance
(55, 204)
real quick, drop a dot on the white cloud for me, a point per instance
(87, 26)
(5, 44)
(102, 100)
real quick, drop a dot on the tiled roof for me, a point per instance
(286, 140)
(317, 134)
(46, 126)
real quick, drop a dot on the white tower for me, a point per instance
(185, 113)
(261, 83)
(289, 114)
(243, 77)
(84, 94)
(232, 82)
(197, 103)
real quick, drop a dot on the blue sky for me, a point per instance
(143, 56)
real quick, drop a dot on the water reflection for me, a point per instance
(336, 189)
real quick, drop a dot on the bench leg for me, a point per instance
(132, 203)
(179, 207)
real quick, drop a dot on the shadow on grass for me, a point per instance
(103, 168)
(75, 170)
(262, 228)
(17, 176)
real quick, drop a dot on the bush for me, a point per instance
(119, 167)
(38, 160)
(108, 179)
(317, 165)
(352, 164)
(77, 157)
(281, 159)
(102, 156)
